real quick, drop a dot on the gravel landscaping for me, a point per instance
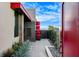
(54, 52)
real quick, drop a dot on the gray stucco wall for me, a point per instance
(30, 25)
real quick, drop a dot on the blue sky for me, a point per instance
(48, 13)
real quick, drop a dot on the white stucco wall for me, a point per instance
(6, 26)
(21, 28)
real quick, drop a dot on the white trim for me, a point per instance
(48, 51)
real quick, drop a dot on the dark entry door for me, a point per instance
(27, 33)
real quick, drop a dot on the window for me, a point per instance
(16, 25)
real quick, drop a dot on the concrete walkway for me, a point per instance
(37, 48)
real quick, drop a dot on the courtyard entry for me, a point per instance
(29, 29)
(27, 32)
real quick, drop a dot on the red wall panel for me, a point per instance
(38, 30)
(70, 29)
(15, 5)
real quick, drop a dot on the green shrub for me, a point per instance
(16, 46)
(18, 50)
(22, 51)
(52, 35)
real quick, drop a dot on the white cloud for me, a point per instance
(52, 7)
(44, 17)
(43, 27)
(59, 10)
(39, 8)
(52, 13)
(30, 5)
(49, 16)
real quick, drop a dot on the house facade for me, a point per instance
(17, 24)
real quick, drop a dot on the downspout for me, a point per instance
(62, 31)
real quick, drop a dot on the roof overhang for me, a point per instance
(16, 5)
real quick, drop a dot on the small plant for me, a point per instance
(16, 46)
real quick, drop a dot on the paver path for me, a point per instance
(37, 48)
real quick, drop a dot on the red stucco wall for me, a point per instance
(70, 30)
(37, 30)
